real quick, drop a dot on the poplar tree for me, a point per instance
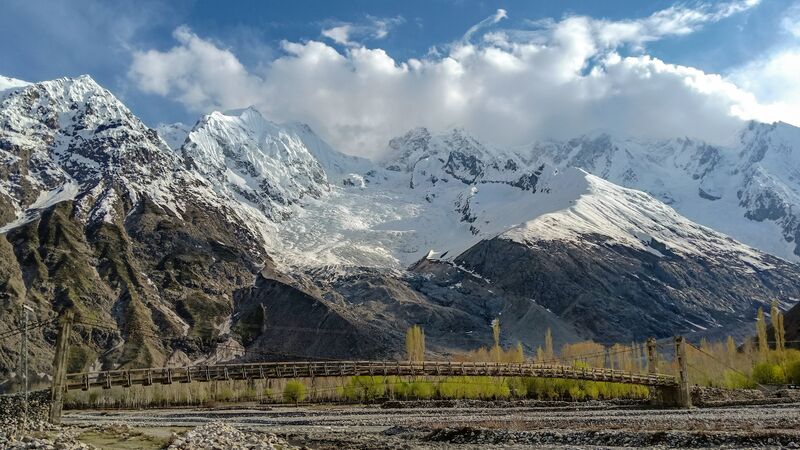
(415, 343)
(520, 356)
(548, 344)
(761, 332)
(731, 344)
(539, 354)
(496, 353)
(777, 326)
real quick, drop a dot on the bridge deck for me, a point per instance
(305, 369)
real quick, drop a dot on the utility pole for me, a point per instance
(28, 310)
(60, 366)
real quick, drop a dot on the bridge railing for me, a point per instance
(311, 369)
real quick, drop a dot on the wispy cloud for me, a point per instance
(791, 20)
(351, 34)
(499, 15)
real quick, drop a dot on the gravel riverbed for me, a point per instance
(474, 427)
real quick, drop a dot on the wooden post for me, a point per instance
(60, 366)
(684, 392)
(652, 356)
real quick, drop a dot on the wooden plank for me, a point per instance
(312, 369)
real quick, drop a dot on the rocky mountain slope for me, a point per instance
(99, 215)
(792, 327)
(748, 189)
(617, 257)
(243, 238)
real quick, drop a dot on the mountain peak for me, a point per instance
(8, 83)
(240, 112)
(174, 134)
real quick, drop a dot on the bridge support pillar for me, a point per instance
(60, 366)
(681, 394)
(652, 356)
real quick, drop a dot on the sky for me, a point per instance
(362, 72)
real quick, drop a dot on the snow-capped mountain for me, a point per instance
(455, 156)
(749, 189)
(196, 232)
(70, 139)
(273, 167)
(623, 252)
(174, 134)
(9, 84)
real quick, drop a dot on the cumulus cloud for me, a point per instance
(197, 72)
(558, 80)
(775, 81)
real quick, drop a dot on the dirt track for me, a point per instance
(368, 427)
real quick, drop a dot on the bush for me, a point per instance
(422, 390)
(517, 387)
(767, 373)
(576, 393)
(294, 392)
(592, 391)
(793, 372)
(736, 380)
(365, 388)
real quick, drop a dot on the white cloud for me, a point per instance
(562, 79)
(196, 72)
(673, 21)
(791, 20)
(382, 25)
(499, 15)
(340, 34)
(776, 83)
(774, 78)
(375, 28)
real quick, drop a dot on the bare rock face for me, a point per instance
(622, 294)
(278, 321)
(791, 325)
(143, 288)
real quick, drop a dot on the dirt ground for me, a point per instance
(373, 427)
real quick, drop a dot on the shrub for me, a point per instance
(576, 393)
(793, 372)
(294, 392)
(592, 392)
(767, 373)
(365, 388)
(517, 387)
(422, 390)
(737, 380)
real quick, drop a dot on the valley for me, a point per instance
(237, 235)
(238, 243)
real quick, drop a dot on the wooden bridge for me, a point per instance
(306, 369)
(669, 390)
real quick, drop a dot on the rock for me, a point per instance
(223, 436)
(12, 409)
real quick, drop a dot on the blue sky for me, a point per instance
(121, 44)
